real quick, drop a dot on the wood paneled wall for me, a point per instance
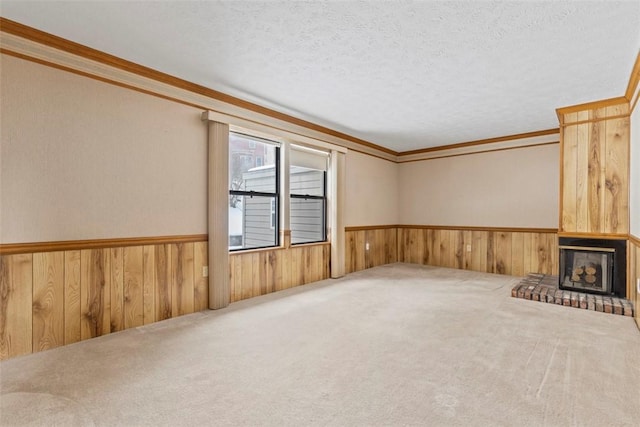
(48, 299)
(595, 170)
(382, 247)
(261, 272)
(503, 252)
(512, 252)
(634, 275)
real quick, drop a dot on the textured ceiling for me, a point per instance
(401, 74)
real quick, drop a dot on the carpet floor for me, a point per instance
(394, 345)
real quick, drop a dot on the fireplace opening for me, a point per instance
(587, 269)
(593, 265)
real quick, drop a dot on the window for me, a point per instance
(273, 213)
(247, 161)
(253, 194)
(308, 188)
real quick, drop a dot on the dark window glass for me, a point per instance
(253, 192)
(308, 205)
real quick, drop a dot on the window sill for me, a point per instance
(277, 248)
(302, 245)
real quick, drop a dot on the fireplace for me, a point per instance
(595, 266)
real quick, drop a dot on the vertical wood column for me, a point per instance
(218, 215)
(594, 174)
(336, 213)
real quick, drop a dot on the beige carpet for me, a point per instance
(395, 345)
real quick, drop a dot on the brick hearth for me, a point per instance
(544, 288)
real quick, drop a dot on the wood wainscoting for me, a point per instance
(65, 294)
(382, 249)
(634, 275)
(511, 251)
(260, 272)
(49, 299)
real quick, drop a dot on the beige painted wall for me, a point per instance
(511, 188)
(82, 159)
(371, 191)
(634, 184)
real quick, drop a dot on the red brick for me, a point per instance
(558, 296)
(617, 307)
(535, 294)
(628, 308)
(574, 299)
(582, 298)
(550, 281)
(528, 291)
(599, 303)
(543, 293)
(514, 290)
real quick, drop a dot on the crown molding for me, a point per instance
(483, 141)
(21, 40)
(591, 106)
(634, 79)
(509, 142)
(47, 49)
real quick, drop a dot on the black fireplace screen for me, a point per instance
(587, 269)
